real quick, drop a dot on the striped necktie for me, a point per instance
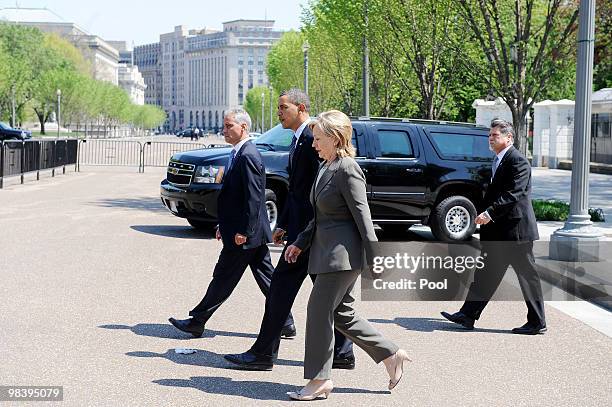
(292, 151)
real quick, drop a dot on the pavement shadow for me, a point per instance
(167, 331)
(142, 203)
(181, 232)
(203, 358)
(251, 389)
(434, 324)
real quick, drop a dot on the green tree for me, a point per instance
(284, 68)
(526, 44)
(252, 105)
(24, 49)
(602, 74)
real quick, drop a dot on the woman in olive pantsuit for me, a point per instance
(336, 238)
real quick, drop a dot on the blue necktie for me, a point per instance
(292, 147)
(292, 151)
(495, 165)
(231, 160)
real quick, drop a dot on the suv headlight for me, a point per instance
(208, 174)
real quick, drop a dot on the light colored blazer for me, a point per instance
(342, 223)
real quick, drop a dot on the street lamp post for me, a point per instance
(263, 105)
(271, 109)
(13, 106)
(305, 48)
(59, 103)
(578, 240)
(366, 65)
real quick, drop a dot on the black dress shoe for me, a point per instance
(344, 362)
(459, 318)
(250, 361)
(529, 329)
(188, 325)
(288, 331)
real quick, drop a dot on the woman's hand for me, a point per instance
(292, 253)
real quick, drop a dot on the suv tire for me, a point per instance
(272, 208)
(453, 219)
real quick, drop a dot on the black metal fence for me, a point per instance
(18, 158)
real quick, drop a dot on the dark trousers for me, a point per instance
(230, 267)
(486, 280)
(286, 282)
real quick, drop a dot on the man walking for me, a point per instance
(293, 113)
(243, 225)
(508, 229)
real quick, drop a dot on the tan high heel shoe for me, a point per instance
(400, 357)
(320, 393)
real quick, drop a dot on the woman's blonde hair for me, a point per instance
(336, 125)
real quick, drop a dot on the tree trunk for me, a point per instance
(518, 121)
(41, 119)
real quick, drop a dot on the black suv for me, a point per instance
(417, 171)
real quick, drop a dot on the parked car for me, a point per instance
(184, 133)
(9, 133)
(417, 171)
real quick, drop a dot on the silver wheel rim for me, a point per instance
(272, 213)
(457, 221)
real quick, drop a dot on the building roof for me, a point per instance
(30, 15)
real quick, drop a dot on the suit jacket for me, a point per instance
(297, 211)
(241, 202)
(342, 223)
(508, 202)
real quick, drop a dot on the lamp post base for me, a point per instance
(577, 241)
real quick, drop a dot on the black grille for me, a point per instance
(180, 173)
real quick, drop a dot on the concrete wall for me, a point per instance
(553, 132)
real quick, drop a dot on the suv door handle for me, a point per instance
(414, 170)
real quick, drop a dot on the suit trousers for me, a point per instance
(499, 255)
(228, 271)
(331, 305)
(286, 282)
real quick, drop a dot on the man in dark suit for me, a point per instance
(244, 227)
(293, 108)
(508, 229)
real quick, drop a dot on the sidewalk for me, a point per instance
(92, 266)
(586, 280)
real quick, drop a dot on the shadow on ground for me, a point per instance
(141, 203)
(181, 232)
(203, 357)
(434, 324)
(167, 331)
(257, 390)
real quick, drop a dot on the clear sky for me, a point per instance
(142, 21)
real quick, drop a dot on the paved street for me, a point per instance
(92, 266)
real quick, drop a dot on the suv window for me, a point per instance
(356, 143)
(395, 144)
(462, 147)
(277, 136)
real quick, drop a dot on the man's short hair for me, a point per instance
(240, 116)
(297, 97)
(505, 127)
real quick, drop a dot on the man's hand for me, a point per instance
(482, 219)
(277, 236)
(240, 239)
(218, 234)
(292, 253)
